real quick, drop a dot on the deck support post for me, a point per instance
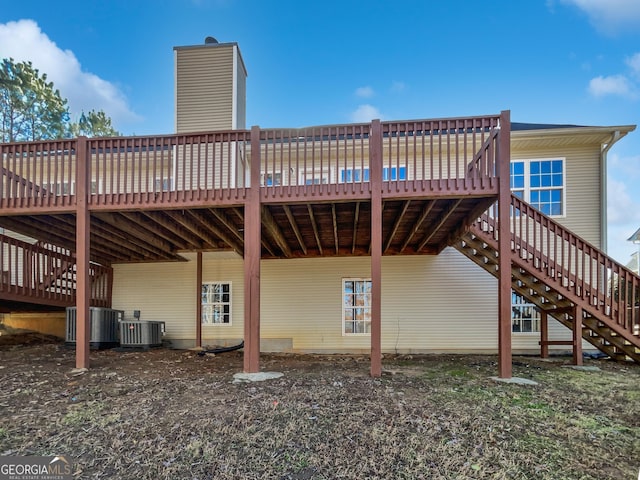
(199, 300)
(83, 277)
(375, 169)
(504, 247)
(252, 254)
(577, 335)
(544, 334)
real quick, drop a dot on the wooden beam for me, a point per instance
(187, 222)
(222, 218)
(275, 231)
(335, 227)
(199, 299)
(149, 223)
(314, 226)
(116, 231)
(396, 225)
(83, 276)
(416, 226)
(355, 227)
(193, 241)
(443, 218)
(577, 335)
(226, 238)
(59, 234)
(252, 255)
(503, 159)
(463, 226)
(294, 226)
(544, 334)
(263, 242)
(134, 229)
(375, 162)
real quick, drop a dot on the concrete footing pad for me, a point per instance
(583, 368)
(515, 380)
(255, 377)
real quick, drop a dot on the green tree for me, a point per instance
(30, 107)
(93, 124)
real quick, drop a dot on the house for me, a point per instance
(470, 234)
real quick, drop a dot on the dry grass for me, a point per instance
(170, 414)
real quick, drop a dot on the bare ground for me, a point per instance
(175, 415)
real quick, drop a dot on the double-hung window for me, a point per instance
(525, 316)
(356, 306)
(356, 175)
(216, 303)
(540, 182)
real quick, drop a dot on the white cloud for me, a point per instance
(365, 113)
(612, 85)
(633, 62)
(622, 209)
(610, 16)
(23, 40)
(364, 92)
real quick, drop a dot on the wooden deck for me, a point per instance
(151, 198)
(382, 188)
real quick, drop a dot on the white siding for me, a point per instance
(439, 303)
(204, 88)
(582, 183)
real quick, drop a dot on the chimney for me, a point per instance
(210, 87)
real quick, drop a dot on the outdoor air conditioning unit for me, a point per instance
(141, 334)
(103, 326)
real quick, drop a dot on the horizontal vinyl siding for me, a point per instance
(161, 291)
(231, 270)
(204, 89)
(582, 183)
(441, 303)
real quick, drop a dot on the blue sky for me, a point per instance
(312, 63)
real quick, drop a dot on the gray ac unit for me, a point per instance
(141, 334)
(103, 327)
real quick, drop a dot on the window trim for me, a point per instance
(213, 324)
(535, 320)
(343, 306)
(527, 181)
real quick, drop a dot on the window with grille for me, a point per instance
(525, 316)
(540, 183)
(216, 303)
(356, 306)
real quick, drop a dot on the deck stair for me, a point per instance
(558, 271)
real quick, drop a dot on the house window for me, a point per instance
(354, 175)
(162, 184)
(62, 188)
(349, 175)
(541, 183)
(271, 179)
(216, 303)
(311, 177)
(525, 316)
(394, 173)
(356, 306)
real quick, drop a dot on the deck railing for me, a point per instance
(453, 154)
(37, 274)
(571, 264)
(39, 174)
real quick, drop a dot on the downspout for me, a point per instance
(603, 189)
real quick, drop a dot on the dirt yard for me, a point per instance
(175, 415)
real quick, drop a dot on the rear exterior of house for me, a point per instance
(377, 237)
(430, 303)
